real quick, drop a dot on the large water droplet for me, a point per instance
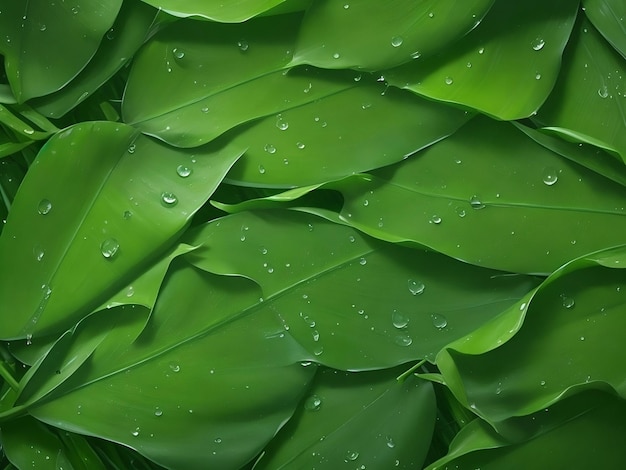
(336, 55)
(281, 123)
(179, 54)
(403, 340)
(269, 148)
(435, 219)
(109, 248)
(351, 456)
(396, 41)
(136, 432)
(538, 44)
(550, 176)
(416, 287)
(362, 261)
(449, 80)
(183, 171)
(313, 403)
(476, 203)
(44, 207)
(439, 321)
(568, 302)
(399, 319)
(158, 411)
(169, 199)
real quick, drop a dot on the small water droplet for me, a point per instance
(460, 212)
(435, 219)
(538, 44)
(179, 54)
(135, 432)
(264, 252)
(131, 148)
(550, 176)
(396, 41)
(568, 302)
(183, 171)
(29, 339)
(127, 215)
(217, 440)
(204, 109)
(351, 238)
(431, 15)
(449, 81)
(269, 148)
(481, 50)
(130, 291)
(351, 456)
(346, 6)
(281, 123)
(469, 65)
(416, 55)
(362, 261)
(403, 340)
(243, 45)
(537, 76)
(39, 252)
(313, 403)
(261, 169)
(43, 27)
(542, 383)
(300, 145)
(603, 91)
(158, 411)
(174, 367)
(439, 321)
(416, 287)
(390, 443)
(110, 34)
(44, 207)
(476, 203)
(318, 351)
(399, 320)
(109, 248)
(169, 199)
(582, 338)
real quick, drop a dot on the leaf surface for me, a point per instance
(608, 16)
(224, 12)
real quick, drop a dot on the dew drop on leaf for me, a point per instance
(538, 44)
(243, 45)
(390, 443)
(269, 148)
(39, 252)
(168, 199)
(568, 302)
(439, 321)
(550, 176)
(449, 80)
(183, 171)
(403, 340)
(416, 287)
(399, 320)
(179, 54)
(109, 248)
(351, 456)
(313, 403)
(44, 207)
(476, 203)
(396, 41)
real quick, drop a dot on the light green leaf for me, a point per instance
(491, 196)
(36, 37)
(79, 236)
(224, 12)
(326, 291)
(564, 342)
(505, 68)
(334, 424)
(590, 84)
(373, 35)
(608, 16)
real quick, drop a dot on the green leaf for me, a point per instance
(224, 12)
(79, 236)
(608, 17)
(576, 434)
(326, 292)
(340, 35)
(334, 424)
(173, 394)
(590, 84)
(518, 46)
(564, 337)
(36, 38)
(130, 30)
(491, 196)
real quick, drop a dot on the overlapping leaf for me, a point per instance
(491, 196)
(505, 68)
(225, 12)
(608, 16)
(97, 202)
(340, 35)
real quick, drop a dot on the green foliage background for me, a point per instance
(312, 234)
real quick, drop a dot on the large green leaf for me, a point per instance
(96, 203)
(506, 67)
(225, 12)
(575, 433)
(334, 424)
(173, 394)
(128, 33)
(556, 342)
(340, 34)
(590, 84)
(327, 293)
(36, 35)
(609, 17)
(491, 196)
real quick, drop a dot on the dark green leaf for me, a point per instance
(225, 12)
(608, 16)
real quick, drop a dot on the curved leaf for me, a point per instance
(96, 203)
(490, 196)
(36, 35)
(608, 16)
(321, 289)
(564, 341)
(517, 46)
(340, 35)
(590, 84)
(224, 12)
(333, 425)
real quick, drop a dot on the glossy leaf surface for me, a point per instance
(224, 12)
(517, 46)
(590, 84)
(36, 36)
(333, 424)
(490, 196)
(104, 221)
(340, 35)
(609, 17)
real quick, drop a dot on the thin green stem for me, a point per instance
(405, 375)
(12, 413)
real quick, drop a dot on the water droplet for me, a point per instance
(416, 55)
(481, 50)
(39, 252)
(204, 109)
(269, 148)
(174, 367)
(390, 443)
(183, 171)
(396, 41)
(476, 203)
(351, 238)
(568, 302)
(362, 261)
(469, 65)
(582, 338)
(110, 34)
(537, 76)
(542, 383)
(158, 411)
(169, 199)
(351, 456)
(449, 81)
(366, 203)
(435, 219)
(43, 27)
(336, 55)
(318, 351)
(130, 291)
(431, 15)
(300, 145)
(346, 6)
(439, 321)
(178, 53)
(127, 215)
(416, 287)
(44, 207)
(261, 169)
(135, 432)
(281, 123)
(460, 211)
(538, 44)
(264, 252)
(399, 320)
(603, 91)
(243, 45)
(403, 340)
(313, 403)
(29, 339)
(109, 247)
(316, 335)
(550, 176)
(131, 148)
